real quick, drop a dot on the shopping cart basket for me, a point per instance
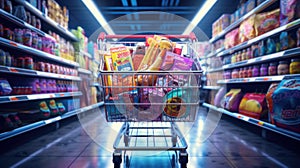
(150, 103)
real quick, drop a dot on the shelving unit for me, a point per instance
(29, 127)
(256, 10)
(27, 72)
(256, 122)
(38, 53)
(19, 98)
(66, 33)
(84, 71)
(249, 85)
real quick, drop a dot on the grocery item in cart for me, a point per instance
(232, 100)
(253, 105)
(286, 101)
(175, 103)
(121, 58)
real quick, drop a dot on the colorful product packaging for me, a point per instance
(289, 11)
(286, 104)
(232, 100)
(247, 29)
(253, 105)
(269, 100)
(232, 39)
(267, 21)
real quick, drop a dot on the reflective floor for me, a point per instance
(229, 145)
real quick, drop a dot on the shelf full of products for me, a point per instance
(29, 127)
(256, 122)
(253, 72)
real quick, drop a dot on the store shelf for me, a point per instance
(211, 87)
(84, 71)
(256, 122)
(259, 38)
(27, 72)
(270, 57)
(19, 98)
(22, 24)
(255, 79)
(258, 9)
(86, 54)
(215, 53)
(48, 20)
(29, 50)
(39, 124)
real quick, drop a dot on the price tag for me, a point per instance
(13, 70)
(260, 123)
(13, 44)
(13, 98)
(53, 120)
(61, 94)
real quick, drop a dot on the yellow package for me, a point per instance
(108, 67)
(121, 58)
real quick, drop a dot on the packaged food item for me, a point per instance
(235, 74)
(249, 73)
(264, 70)
(283, 68)
(137, 59)
(286, 100)
(8, 59)
(232, 100)
(269, 101)
(262, 48)
(253, 105)
(271, 46)
(44, 109)
(225, 21)
(232, 38)
(294, 66)
(5, 88)
(267, 21)
(2, 58)
(247, 29)
(27, 37)
(272, 70)
(289, 11)
(53, 107)
(298, 37)
(121, 59)
(220, 94)
(28, 63)
(284, 41)
(250, 5)
(18, 35)
(173, 107)
(255, 71)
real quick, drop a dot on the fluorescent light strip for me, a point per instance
(98, 15)
(133, 3)
(199, 16)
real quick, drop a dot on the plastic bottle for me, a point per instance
(2, 58)
(283, 68)
(264, 70)
(272, 70)
(8, 59)
(249, 53)
(27, 38)
(235, 74)
(243, 55)
(255, 71)
(294, 66)
(249, 74)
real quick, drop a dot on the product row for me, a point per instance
(35, 86)
(27, 62)
(279, 106)
(271, 69)
(56, 46)
(26, 114)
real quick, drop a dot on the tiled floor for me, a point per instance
(71, 146)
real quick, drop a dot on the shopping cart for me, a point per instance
(150, 103)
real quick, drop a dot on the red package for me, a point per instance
(253, 105)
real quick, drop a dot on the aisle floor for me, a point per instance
(228, 146)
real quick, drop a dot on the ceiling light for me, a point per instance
(98, 15)
(208, 4)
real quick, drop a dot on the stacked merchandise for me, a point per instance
(260, 52)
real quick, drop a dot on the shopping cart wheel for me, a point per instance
(183, 159)
(117, 160)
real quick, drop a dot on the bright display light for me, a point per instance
(98, 15)
(199, 16)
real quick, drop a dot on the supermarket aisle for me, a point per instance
(229, 146)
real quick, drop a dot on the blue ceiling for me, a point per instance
(177, 14)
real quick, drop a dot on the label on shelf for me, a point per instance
(13, 70)
(53, 120)
(13, 98)
(40, 96)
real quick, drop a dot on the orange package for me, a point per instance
(267, 21)
(247, 29)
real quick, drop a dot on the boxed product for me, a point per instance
(224, 21)
(232, 100)
(289, 11)
(121, 58)
(286, 104)
(253, 105)
(250, 5)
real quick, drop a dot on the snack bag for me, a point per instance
(220, 94)
(232, 100)
(289, 11)
(269, 100)
(253, 105)
(247, 29)
(232, 39)
(267, 21)
(286, 104)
